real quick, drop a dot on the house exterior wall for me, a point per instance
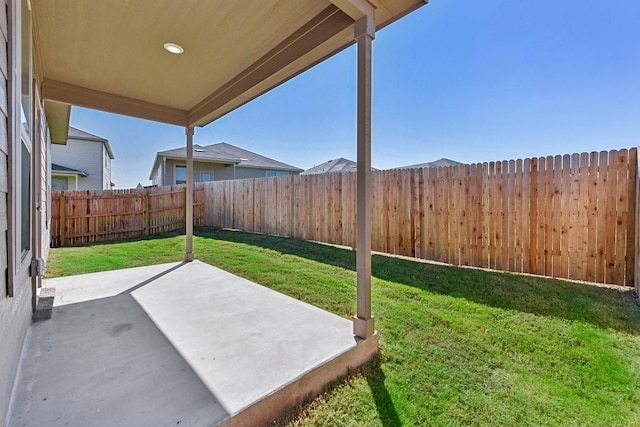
(16, 294)
(106, 169)
(84, 155)
(44, 204)
(157, 180)
(220, 172)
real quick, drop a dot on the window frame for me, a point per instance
(20, 144)
(175, 174)
(202, 173)
(276, 173)
(59, 178)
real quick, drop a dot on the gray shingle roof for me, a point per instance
(435, 164)
(76, 133)
(64, 169)
(332, 166)
(223, 152)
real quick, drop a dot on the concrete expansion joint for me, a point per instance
(45, 304)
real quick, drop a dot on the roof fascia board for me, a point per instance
(271, 168)
(85, 138)
(107, 145)
(226, 162)
(357, 9)
(325, 25)
(201, 159)
(156, 165)
(58, 173)
(216, 114)
(54, 90)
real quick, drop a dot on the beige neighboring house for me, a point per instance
(215, 162)
(83, 163)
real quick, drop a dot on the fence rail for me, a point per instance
(571, 216)
(98, 215)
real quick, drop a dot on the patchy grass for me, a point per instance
(459, 346)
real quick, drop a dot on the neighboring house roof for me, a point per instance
(63, 170)
(333, 166)
(75, 133)
(435, 164)
(225, 153)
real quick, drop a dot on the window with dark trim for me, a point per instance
(181, 174)
(271, 174)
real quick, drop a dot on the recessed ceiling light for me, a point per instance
(173, 48)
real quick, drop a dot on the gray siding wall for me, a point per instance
(83, 155)
(220, 172)
(15, 312)
(45, 188)
(157, 177)
(106, 169)
(198, 168)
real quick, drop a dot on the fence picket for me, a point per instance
(563, 216)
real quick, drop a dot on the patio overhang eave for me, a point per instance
(95, 55)
(148, 86)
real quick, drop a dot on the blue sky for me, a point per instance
(468, 80)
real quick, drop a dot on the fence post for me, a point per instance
(636, 269)
(532, 176)
(63, 219)
(146, 212)
(184, 204)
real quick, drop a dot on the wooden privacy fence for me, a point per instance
(86, 216)
(571, 216)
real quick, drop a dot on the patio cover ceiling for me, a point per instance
(108, 55)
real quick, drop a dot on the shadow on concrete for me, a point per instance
(156, 277)
(103, 363)
(173, 344)
(606, 308)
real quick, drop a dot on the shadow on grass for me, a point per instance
(372, 372)
(384, 404)
(602, 307)
(140, 238)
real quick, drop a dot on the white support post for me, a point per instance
(363, 324)
(189, 197)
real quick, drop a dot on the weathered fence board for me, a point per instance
(571, 216)
(88, 216)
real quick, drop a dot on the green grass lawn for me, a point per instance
(458, 346)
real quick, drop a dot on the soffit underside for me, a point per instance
(234, 51)
(103, 46)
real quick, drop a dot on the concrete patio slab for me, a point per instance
(177, 344)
